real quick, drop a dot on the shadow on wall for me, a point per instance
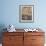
(2, 26)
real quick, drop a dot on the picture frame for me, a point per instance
(26, 13)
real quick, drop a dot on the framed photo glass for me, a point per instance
(26, 13)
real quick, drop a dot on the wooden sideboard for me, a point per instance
(23, 39)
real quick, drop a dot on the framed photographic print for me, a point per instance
(26, 13)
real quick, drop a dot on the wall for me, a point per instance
(9, 13)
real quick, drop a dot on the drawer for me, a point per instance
(8, 38)
(27, 41)
(13, 33)
(34, 33)
(21, 44)
(12, 39)
(8, 44)
(37, 44)
(37, 39)
(27, 37)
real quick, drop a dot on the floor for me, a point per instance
(0, 44)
